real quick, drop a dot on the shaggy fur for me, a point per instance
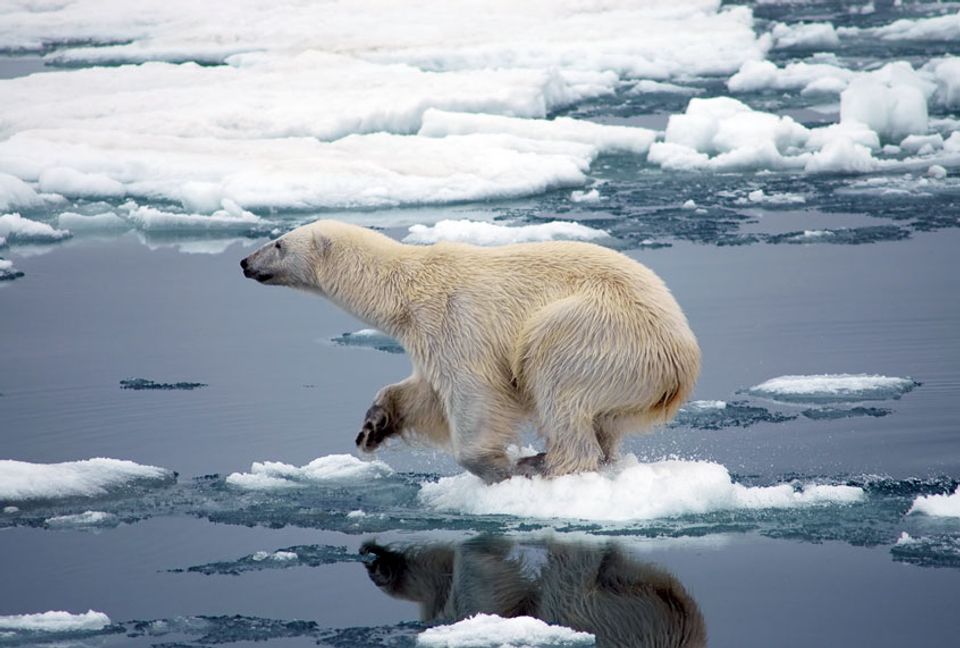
(625, 603)
(580, 340)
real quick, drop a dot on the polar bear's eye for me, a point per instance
(278, 245)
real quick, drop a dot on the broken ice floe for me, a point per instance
(479, 233)
(831, 388)
(947, 505)
(492, 631)
(85, 520)
(52, 623)
(14, 228)
(271, 475)
(936, 550)
(369, 338)
(296, 556)
(21, 481)
(143, 384)
(628, 490)
(714, 415)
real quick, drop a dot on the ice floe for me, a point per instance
(55, 621)
(827, 388)
(627, 491)
(87, 519)
(7, 271)
(813, 35)
(938, 505)
(936, 28)
(480, 233)
(143, 384)
(937, 550)
(17, 194)
(492, 631)
(17, 229)
(296, 556)
(21, 481)
(272, 475)
(369, 338)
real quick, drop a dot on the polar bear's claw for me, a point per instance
(377, 426)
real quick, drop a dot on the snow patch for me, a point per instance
(492, 631)
(626, 491)
(480, 233)
(23, 481)
(273, 475)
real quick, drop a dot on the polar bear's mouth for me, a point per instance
(262, 277)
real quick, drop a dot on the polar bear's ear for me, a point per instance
(322, 243)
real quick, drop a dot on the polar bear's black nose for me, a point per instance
(244, 263)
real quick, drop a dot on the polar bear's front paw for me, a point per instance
(531, 466)
(377, 426)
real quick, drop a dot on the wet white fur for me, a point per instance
(582, 341)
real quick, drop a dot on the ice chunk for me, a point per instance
(7, 271)
(87, 519)
(17, 229)
(826, 388)
(833, 413)
(16, 194)
(806, 35)
(370, 338)
(270, 475)
(810, 78)
(938, 28)
(626, 491)
(946, 74)
(760, 197)
(480, 233)
(492, 631)
(300, 555)
(604, 139)
(892, 101)
(77, 184)
(938, 505)
(231, 219)
(927, 551)
(22, 481)
(936, 171)
(55, 621)
(106, 221)
(142, 384)
(842, 156)
(591, 196)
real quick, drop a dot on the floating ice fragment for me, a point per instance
(17, 229)
(271, 475)
(17, 194)
(626, 491)
(492, 631)
(591, 196)
(86, 519)
(715, 415)
(7, 271)
(832, 413)
(142, 384)
(937, 171)
(938, 505)
(10, 510)
(106, 221)
(927, 551)
(826, 388)
(806, 35)
(55, 621)
(938, 28)
(23, 481)
(480, 233)
(690, 203)
(369, 338)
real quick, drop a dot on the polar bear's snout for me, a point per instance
(254, 270)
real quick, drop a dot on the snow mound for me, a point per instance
(826, 388)
(480, 233)
(492, 631)
(23, 481)
(17, 229)
(273, 475)
(938, 505)
(55, 621)
(627, 491)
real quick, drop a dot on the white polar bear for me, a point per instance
(580, 340)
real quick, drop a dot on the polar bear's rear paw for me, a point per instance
(377, 426)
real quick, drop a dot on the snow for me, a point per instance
(492, 631)
(16, 194)
(17, 229)
(833, 387)
(627, 491)
(23, 481)
(55, 621)
(603, 139)
(272, 475)
(480, 233)
(807, 35)
(80, 520)
(938, 505)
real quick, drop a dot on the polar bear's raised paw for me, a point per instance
(377, 426)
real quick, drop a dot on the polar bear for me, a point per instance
(577, 339)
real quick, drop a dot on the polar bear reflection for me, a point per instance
(596, 589)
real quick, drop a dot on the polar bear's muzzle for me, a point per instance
(250, 271)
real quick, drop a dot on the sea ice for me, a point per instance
(17, 194)
(271, 475)
(23, 481)
(814, 35)
(87, 519)
(626, 491)
(55, 621)
(492, 631)
(937, 28)
(826, 388)
(938, 505)
(480, 233)
(7, 271)
(370, 338)
(17, 229)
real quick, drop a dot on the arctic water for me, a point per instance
(805, 497)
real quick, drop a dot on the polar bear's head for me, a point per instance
(292, 260)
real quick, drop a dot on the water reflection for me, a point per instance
(600, 589)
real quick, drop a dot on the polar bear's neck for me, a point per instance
(368, 275)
